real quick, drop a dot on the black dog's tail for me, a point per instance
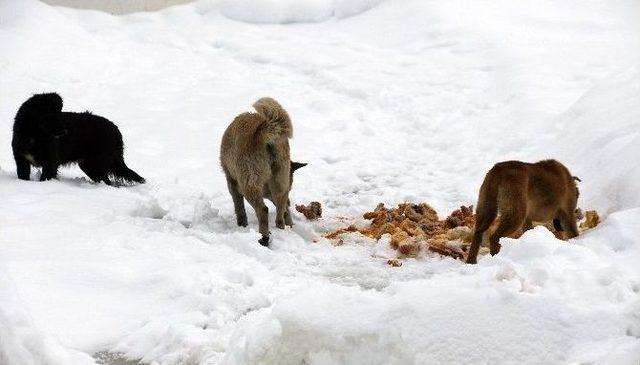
(121, 171)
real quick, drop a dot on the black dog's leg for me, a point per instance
(50, 166)
(102, 170)
(23, 166)
(97, 170)
(49, 171)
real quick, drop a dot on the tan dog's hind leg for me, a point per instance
(238, 202)
(282, 211)
(287, 215)
(254, 197)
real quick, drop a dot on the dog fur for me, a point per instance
(254, 155)
(522, 193)
(45, 136)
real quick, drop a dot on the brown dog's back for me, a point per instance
(522, 193)
(253, 140)
(254, 154)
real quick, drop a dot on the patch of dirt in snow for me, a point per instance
(415, 228)
(113, 358)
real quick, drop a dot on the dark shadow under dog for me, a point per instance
(45, 136)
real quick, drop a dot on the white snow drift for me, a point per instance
(292, 11)
(396, 100)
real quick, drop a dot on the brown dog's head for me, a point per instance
(577, 190)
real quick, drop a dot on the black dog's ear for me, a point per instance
(297, 165)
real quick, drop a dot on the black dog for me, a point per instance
(45, 136)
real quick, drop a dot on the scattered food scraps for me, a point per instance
(416, 227)
(394, 262)
(311, 211)
(592, 219)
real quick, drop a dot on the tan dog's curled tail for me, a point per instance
(278, 122)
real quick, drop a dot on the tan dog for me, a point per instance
(255, 158)
(524, 192)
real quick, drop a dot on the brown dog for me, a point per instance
(524, 192)
(255, 158)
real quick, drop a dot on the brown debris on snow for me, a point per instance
(398, 237)
(461, 217)
(592, 219)
(337, 233)
(416, 227)
(446, 251)
(311, 211)
(394, 262)
(410, 247)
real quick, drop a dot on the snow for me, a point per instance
(118, 6)
(610, 150)
(391, 101)
(292, 11)
(20, 341)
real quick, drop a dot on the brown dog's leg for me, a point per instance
(568, 223)
(282, 211)
(472, 256)
(287, 215)
(557, 226)
(484, 218)
(509, 222)
(254, 197)
(486, 212)
(238, 202)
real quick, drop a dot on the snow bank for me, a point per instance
(534, 303)
(293, 11)
(20, 341)
(411, 101)
(118, 6)
(600, 136)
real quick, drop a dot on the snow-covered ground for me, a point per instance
(118, 6)
(392, 101)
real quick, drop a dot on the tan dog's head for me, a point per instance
(293, 167)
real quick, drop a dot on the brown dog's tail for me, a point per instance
(486, 212)
(487, 208)
(278, 121)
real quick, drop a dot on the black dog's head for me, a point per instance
(39, 116)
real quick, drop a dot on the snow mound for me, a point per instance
(603, 152)
(20, 341)
(411, 101)
(536, 288)
(293, 11)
